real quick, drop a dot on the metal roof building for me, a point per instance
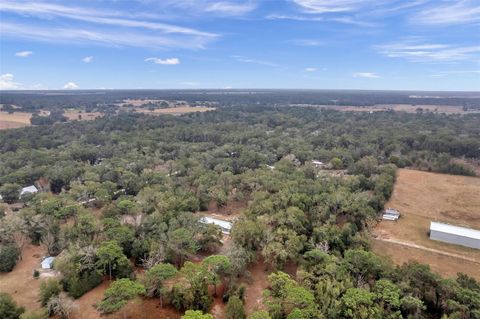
(224, 225)
(455, 235)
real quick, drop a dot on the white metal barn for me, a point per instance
(224, 225)
(455, 235)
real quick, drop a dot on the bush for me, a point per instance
(235, 308)
(36, 274)
(8, 307)
(9, 255)
(77, 286)
(35, 314)
(49, 289)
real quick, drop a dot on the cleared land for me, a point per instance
(423, 197)
(20, 283)
(408, 108)
(74, 114)
(176, 110)
(14, 120)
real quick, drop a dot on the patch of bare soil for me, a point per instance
(14, 120)
(136, 309)
(256, 282)
(19, 283)
(176, 110)
(78, 115)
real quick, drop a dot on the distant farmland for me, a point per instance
(422, 197)
(14, 120)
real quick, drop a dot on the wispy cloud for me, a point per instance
(70, 86)
(230, 8)
(24, 54)
(168, 61)
(128, 28)
(7, 82)
(453, 12)
(416, 50)
(219, 8)
(310, 69)
(328, 6)
(367, 75)
(87, 59)
(307, 42)
(241, 58)
(128, 38)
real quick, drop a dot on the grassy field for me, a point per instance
(14, 120)
(74, 114)
(423, 197)
(176, 110)
(408, 108)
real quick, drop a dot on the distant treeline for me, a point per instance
(105, 99)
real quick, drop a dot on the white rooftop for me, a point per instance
(455, 230)
(222, 223)
(47, 262)
(28, 189)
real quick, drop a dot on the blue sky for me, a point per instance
(194, 44)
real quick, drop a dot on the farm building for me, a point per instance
(455, 235)
(47, 263)
(28, 190)
(224, 225)
(391, 214)
(318, 164)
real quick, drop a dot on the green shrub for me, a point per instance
(77, 286)
(9, 255)
(48, 289)
(8, 307)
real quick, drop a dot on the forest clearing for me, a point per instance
(422, 197)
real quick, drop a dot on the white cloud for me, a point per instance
(130, 31)
(367, 75)
(310, 69)
(328, 6)
(168, 61)
(230, 8)
(70, 86)
(416, 50)
(219, 8)
(108, 38)
(7, 82)
(24, 54)
(87, 59)
(241, 58)
(453, 12)
(307, 42)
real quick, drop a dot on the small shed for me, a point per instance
(224, 225)
(47, 262)
(391, 214)
(28, 190)
(457, 235)
(317, 163)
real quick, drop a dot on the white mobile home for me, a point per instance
(224, 225)
(455, 235)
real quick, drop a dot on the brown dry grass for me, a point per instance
(19, 283)
(176, 110)
(138, 309)
(14, 120)
(73, 115)
(408, 108)
(423, 197)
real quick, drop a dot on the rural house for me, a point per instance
(28, 190)
(455, 235)
(224, 225)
